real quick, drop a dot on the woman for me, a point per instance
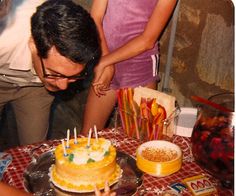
(129, 30)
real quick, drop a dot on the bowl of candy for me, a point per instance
(213, 138)
(159, 158)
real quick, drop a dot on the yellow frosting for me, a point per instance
(82, 176)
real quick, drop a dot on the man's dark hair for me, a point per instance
(67, 26)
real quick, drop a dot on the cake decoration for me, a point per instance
(68, 138)
(89, 137)
(75, 136)
(96, 133)
(64, 148)
(85, 163)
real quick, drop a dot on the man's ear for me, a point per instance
(32, 45)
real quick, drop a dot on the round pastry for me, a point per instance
(84, 165)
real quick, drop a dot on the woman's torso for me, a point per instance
(126, 19)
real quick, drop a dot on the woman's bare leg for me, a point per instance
(98, 110)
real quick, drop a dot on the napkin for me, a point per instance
(5, 160)
(138, 117)
(167, 101)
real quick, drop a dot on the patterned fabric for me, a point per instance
(151, 185)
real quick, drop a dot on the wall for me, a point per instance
(203, 55)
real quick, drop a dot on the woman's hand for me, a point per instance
(107, 191)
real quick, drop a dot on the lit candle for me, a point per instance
(63, 147)
(68, 139)
(75, 136)
(96, 133)
(89, 137)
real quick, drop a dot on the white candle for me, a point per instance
(96, 133)
(63, 147)
(75, 136)
(68, 139)
(89, 137)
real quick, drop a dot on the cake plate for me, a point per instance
(36, 179)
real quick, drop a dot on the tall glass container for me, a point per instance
(213, 139)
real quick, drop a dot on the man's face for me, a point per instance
(5, 6)
(56, 71)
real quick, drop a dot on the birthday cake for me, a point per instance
(83, 163)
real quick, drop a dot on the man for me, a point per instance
(63, 46)
(4, 7)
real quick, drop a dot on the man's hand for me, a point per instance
(101, 84)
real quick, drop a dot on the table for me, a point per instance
(22, 156)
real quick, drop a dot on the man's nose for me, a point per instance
(62, 84)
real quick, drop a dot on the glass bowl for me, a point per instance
(213, 139)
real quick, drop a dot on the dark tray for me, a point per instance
(36, 179)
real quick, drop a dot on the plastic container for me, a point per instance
(159, 168)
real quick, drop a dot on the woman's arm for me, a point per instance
(97, 12)
(103, 75)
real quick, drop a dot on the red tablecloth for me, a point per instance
(22, 156)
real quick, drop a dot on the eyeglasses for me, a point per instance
(81, 76)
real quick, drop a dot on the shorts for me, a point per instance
(136, 72)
